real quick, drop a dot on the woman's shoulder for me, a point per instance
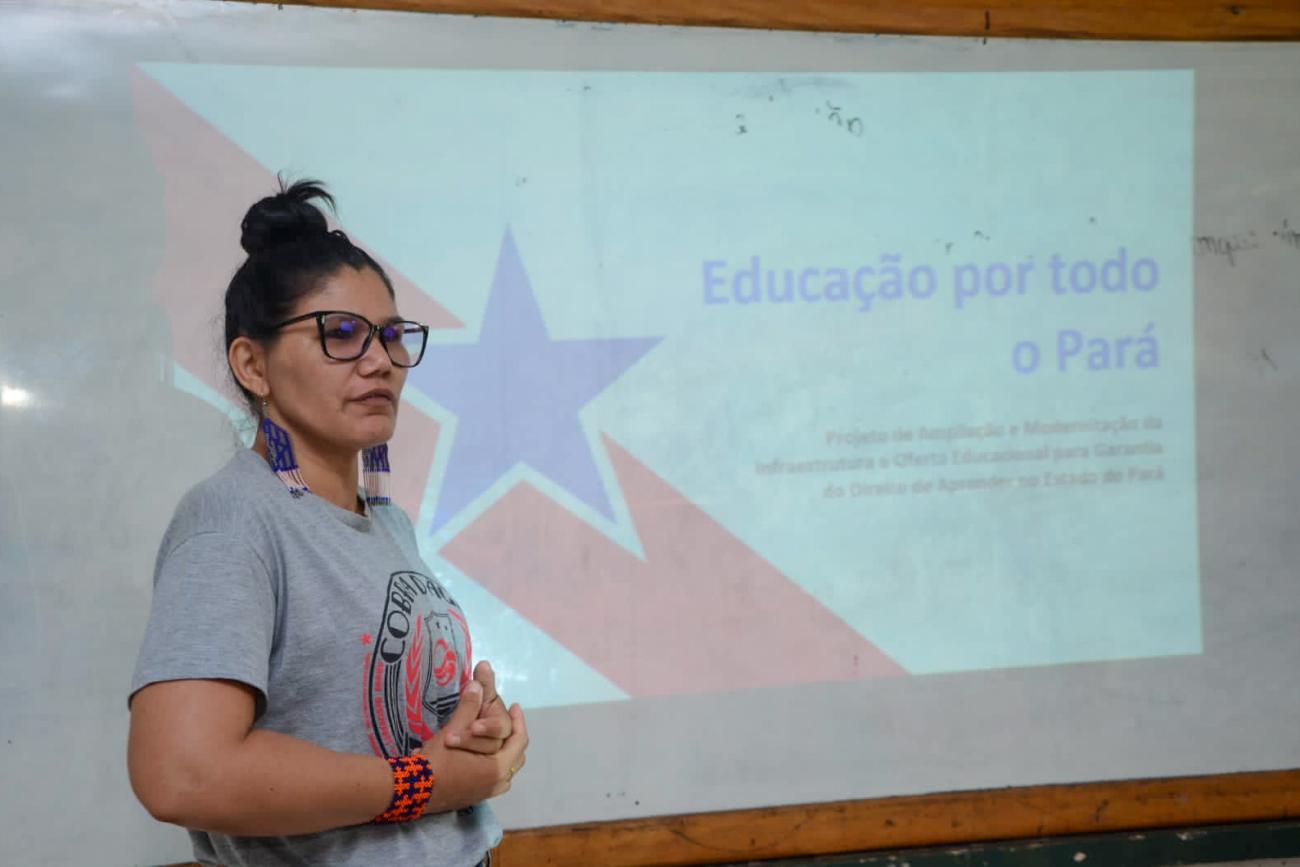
(230, 500)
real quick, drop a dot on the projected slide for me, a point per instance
(743, 380)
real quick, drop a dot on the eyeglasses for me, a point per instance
(346, 336)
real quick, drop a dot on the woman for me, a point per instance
(303, 692)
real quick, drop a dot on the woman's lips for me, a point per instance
(376, 398)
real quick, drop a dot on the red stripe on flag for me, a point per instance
(702, 611)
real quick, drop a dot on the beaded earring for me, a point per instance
(280, 452)
(375, 474)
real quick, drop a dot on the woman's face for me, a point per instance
(330, 405)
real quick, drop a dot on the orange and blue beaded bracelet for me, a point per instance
(412, 786)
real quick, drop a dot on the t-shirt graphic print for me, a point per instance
(420, 661)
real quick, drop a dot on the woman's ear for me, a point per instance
(248, 362)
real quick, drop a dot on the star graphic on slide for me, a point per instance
(517, 393)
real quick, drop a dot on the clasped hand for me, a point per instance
(478, 752)
(492, 727)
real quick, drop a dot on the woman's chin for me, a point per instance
(375, 433)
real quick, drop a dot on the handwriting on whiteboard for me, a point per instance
(1230, 246)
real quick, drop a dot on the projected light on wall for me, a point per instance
(743, 380)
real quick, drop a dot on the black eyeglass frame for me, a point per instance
(319, 316)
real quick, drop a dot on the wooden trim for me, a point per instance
(905, 822)
(920, 820)
(1234, 20)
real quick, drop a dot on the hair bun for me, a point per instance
(286, 217)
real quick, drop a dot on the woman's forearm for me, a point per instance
(268, 784)
(195, 761)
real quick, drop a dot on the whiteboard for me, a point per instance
(135, 133)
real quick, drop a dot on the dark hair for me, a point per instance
(291, 249)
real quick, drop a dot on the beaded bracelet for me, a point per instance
(412, 786)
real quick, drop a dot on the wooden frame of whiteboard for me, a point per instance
(911, 821)
(918, 820)
(1176, 20)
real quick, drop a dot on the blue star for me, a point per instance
(517, 393)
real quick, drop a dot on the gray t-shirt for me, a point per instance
(334, 619)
